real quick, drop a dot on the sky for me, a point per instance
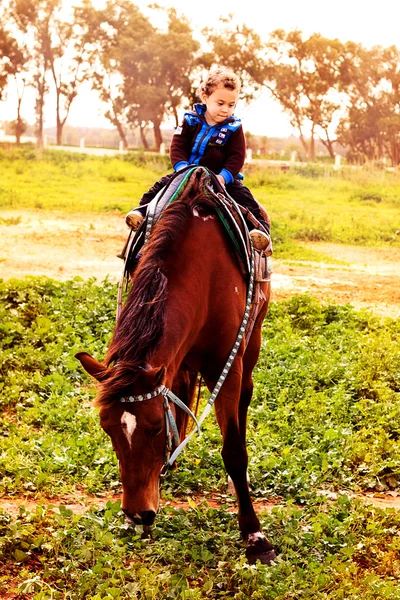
(365, 21)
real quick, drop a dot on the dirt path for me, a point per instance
(80, 503)
(62, 246)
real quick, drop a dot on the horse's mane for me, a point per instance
(141, 323)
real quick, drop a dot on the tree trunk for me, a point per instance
(328, 144)
(121, 132)
(58, 120)
(312, 143)
(304, 143)
(142, 130)
(158, 140)
(175, 113)
(41, 87)
(18, 125)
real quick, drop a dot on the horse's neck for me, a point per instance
(205, 289)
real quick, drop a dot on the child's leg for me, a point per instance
(242, 195)
(153, 191)
(135, 216)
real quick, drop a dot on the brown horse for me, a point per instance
(181, 318)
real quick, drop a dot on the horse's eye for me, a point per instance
(156, 432)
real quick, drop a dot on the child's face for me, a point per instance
(220, 104)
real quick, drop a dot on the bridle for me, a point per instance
(171, 429)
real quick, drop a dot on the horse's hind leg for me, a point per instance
(234, 454)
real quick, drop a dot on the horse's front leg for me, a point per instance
(235, 459)
(184, 386)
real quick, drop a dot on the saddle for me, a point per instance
(232, 216)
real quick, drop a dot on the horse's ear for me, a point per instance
(160, 375)
(90, 364)
(150, 379)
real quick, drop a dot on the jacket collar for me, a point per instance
(200, 110)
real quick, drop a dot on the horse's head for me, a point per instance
(137, 432)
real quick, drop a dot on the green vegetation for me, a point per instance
(311, 204)
(318, 204)
(341, 550)
(323, 416)
(75, 182)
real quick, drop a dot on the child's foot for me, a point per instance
(260, 239)
(134, 219)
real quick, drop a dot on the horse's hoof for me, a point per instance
(259, 548)
(265, 558)
(146, 532)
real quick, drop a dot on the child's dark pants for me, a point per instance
(239, 192)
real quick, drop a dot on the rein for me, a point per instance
(170, 423)
(172, 433)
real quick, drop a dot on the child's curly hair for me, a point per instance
(216, 77)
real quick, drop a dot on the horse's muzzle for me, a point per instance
(146, 517)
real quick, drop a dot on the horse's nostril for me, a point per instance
(148, 517)
(135, 518)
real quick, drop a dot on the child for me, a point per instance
(212, 136)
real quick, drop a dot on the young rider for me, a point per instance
(212, 136)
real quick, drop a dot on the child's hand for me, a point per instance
(221, 180)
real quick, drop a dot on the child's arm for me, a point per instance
(180, 149)
(235, 156)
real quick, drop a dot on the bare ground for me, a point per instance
(81, 502)
(63, 246)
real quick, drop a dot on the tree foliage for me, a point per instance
(371, 80)
(338, 92)
(158, 76)
(241, 49)
(303, 75)
(14, 59)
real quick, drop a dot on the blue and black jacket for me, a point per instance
(221, 147)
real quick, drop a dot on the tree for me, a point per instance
(115, 35)
(54, 37)
(157, 75)
(304, 75)
(33, 21)
(13, 62)
(6, 48)
(65, 48)
(239, 48)
(371, 80)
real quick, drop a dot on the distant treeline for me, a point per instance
(262, 146)
(338, 93)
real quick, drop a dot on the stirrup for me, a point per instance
(260, 239)
(134, 219)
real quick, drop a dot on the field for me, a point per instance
(323, 426)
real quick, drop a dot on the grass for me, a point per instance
(343, 551)
(74, 182)
(323, 416)
(348, 206)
